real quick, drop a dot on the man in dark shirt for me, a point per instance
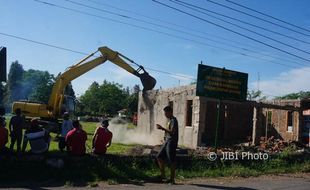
(16, 130)
(168, 150)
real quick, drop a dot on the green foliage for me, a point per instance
(33, 85)
(107, 98)
(2, 90)
(293, 96)
(69, 90)
(255, 95)
(116, 169)
(38, 85)
(14, 85)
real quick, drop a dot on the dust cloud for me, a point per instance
(123, 134)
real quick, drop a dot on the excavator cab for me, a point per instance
(69, 104)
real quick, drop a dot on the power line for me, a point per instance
(270, 16)
(129, 24)
(160, 32)
(252, 31)
(159, 25)
(128, 17)
(42, 43)
(170, 23)
(241, 21)
(165, 27)
(164, 33)
(83, 53)
(201, 32)
(256, 17)
(233, 31)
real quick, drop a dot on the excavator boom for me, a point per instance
(54, 107)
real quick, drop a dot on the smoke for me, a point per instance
(123, 134)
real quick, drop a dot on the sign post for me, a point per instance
(2, 64)
(221, 84)
(217, 122)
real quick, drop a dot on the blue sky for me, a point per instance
(48, 24)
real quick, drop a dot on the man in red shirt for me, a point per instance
(3, 136)
(102, 138)
(76, 139)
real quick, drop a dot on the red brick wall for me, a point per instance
(279, 125)
(236, 122)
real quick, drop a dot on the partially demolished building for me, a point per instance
(238, 121)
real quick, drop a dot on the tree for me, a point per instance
(14, 85)
(38, 85)
(107, 98)
(133, 100)
(88, 102)
(293, 96)
(1, 94)
(136, 89)
(255, 95)
(69, 90)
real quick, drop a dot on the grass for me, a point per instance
(117, 168)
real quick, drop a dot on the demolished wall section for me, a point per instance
(150, 112)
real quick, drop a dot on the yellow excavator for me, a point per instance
(59, 103)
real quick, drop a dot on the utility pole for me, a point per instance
(258, 81)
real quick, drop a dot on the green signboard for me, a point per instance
(221, 83)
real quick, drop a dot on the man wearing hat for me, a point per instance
(102, 138)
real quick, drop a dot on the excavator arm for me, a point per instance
(73, 72)
(53, 109)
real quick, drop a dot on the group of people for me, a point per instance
(72, 137)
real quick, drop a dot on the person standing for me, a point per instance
(65, 128)
(76, 139)
(167, 152)
(3, 136)
(102, 138)
(2, 112)
(16, 130)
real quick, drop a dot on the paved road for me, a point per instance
(297, 182)
(280, 182)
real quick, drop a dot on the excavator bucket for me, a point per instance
(148, 81)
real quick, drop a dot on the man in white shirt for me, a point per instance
(38, 138)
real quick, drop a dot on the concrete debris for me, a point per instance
(273, 145)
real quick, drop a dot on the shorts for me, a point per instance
(61, 143)
(168, 151)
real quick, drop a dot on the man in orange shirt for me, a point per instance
(76, 139)
(3, 136)
(102, 138)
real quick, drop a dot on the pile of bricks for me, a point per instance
(273, 145)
